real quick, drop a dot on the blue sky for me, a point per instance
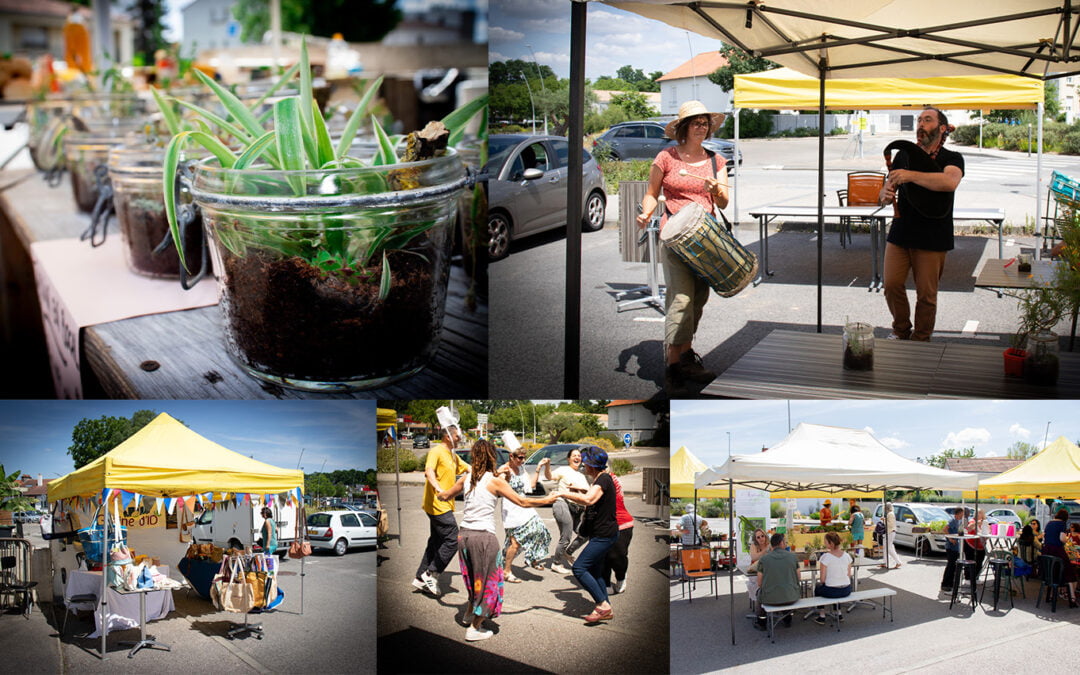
(614, 38)
(910, 428)
(35, 435)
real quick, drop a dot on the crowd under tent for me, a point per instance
(166, 463)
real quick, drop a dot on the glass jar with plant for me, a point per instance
(1040, 310)
(332, 271)
(858, 346)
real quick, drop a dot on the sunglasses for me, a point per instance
(518, 456)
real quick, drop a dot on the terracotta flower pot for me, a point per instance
(1014, 361)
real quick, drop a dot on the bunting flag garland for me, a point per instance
(138, 501)
(160, 504)
(299, 494)
(189, 502)
(239, 498)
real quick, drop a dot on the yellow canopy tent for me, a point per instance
(784, 88)
(683, 467)
(166, 459)
(385, 418)
(1054, 472)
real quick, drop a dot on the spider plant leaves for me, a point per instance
(386, 281)
(289, 134)
(241, 135)
(386, 154)
(167, 112)
(455, 122)
(289, 74)
(307, 109)
(237, 110)
(254, 151)
(171, 164)
(324, 149)
(353, 125)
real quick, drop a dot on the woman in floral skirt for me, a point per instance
(525, 531)
(478, 548)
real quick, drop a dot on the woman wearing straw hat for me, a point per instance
(686, 172)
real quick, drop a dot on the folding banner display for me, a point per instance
(752, 509)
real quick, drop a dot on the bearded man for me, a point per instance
(922, 230)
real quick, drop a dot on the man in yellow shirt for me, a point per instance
(441, 472)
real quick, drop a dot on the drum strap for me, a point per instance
(712, 158)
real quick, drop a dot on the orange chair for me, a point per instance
(697, 564)
(863, 188)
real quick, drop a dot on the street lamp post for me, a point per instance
(543, 88)
(531, 103)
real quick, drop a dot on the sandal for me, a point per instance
(511, 578)
(599, 615)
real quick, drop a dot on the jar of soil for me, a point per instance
(858, 346)
(44, 119)
(136, 175)
(331, 280)
(1042, 362)
(84, 152)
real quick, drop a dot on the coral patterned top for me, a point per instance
(681, 190)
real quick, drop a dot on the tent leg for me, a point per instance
(733, 552)
(104, 601)
(821, 182)
(572, 329)
(397, 489)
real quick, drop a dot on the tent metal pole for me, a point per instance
(821, 182)
(732, 552)
(1038, 186)
(104, 602)
(575, 132)
(735, 158)
(397, 488)
(303, 521)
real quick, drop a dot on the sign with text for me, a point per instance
(753, 505)
(61, 337)
(143, 521)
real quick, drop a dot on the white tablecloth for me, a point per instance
(123, 609)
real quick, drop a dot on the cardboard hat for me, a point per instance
(510, 441)
(693, 109)
(447, 417)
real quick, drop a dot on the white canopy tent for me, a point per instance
(827, 459)
(834, 39)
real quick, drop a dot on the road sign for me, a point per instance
(626, 439)
(481, 418)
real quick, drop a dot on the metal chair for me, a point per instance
(1001, 563)
(863, 188)
(86, 602)
(1051, 570)
(10, 582)
(697, 564)
(964, 569)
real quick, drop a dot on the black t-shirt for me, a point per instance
(599, 518)
(925, 219)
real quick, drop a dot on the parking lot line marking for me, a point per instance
(653, 319)
(969, 328)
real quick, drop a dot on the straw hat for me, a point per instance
(693, 109)
(828, 503)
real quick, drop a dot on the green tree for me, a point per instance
(92, 438)
(148, 27)
(739, 63)
(631, 74)
(1022, 450)
(612, 84)
(512, 70)
(938, 460)
(556, 423)
(635, 104)
(356, 20)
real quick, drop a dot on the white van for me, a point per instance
(230, 526)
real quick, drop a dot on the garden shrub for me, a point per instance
(622, 466)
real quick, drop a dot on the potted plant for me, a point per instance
(810, 550)
(11, 500)
(1035, 343)
(920, 528)
(858, 346)
(332, 271)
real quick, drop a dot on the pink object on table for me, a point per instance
(994, 529)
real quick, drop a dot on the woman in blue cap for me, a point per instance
(600, 526)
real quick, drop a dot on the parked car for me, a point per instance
(338, 531)
(502, 455)
(527, 183)
(421, 442)
(644, 139)
(909, 515)
(558, 454)
(1005, 516)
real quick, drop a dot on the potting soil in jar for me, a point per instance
(85, 151)
(858, 346)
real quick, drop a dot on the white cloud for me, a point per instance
(990, 453)
(894, 443)
(500, 34)
(965, 438)
(1017, 430)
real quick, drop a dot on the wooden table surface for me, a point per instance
(995, 274)
(789, 364)
(189, 345)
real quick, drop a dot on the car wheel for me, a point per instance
(498, 236)
(340, 546)
(593, 219)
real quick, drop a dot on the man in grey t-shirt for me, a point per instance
(778, 579)
(690, 527)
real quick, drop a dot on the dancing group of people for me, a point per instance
(587, 505)
(920, 185)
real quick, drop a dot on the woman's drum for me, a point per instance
(709, 250)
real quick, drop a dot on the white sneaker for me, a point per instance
(556, 567)
(620, 586)
(417, 583)
(475, 634)
(431, 583)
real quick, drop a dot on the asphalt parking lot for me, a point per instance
(925, 636)
(540, 629)
(333, 635)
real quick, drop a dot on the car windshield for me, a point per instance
(319, 520)
(498, 148)
(928, 514)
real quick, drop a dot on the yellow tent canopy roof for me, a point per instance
(683, 467)
(385, 418)
(166, 459)
(784, 88)
(1053, 472)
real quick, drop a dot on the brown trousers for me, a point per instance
(926, 267)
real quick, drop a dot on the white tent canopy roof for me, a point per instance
(817, 457)
(887, 38)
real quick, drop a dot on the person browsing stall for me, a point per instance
(835, 577)
(686, 172)
(268, 534)
(922, 231)
(952, 547)
(857, 525)
(441, 470)
(825, 515)
(778, 579)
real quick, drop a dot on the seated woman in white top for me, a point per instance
(759, 546)
(835, 574)
(479, 552)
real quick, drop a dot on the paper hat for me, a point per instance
(510, 441)
(447, 418)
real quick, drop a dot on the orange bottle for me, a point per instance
(77, 51)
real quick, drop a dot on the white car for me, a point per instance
(1005, 516)
(338, 531)
(907, 516)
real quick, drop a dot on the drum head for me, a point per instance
(684, 221)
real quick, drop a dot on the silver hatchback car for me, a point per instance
(527, 182)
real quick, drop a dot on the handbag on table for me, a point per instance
(300, 547)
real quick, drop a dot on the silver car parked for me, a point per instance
(527, 183)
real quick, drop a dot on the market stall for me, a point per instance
(1053, 472)
(171, 467)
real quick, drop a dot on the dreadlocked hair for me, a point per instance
(483, 461)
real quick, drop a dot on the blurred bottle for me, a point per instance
(341, 60)
(77, 51)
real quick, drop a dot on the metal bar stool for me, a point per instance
(1001, 564)
(966, 568)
